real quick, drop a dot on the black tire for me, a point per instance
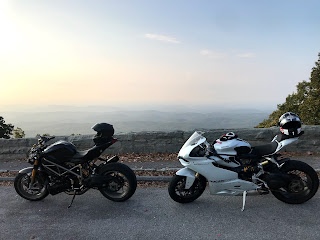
(178, 192)
(123, 185)
(302, 188)
(39, 190)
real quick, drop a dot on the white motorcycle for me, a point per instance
(232, 167)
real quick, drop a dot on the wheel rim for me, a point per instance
(296, 186)
(300, 185)
(34, 192)
(118, 186)
(187, 193)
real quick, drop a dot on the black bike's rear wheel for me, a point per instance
(35, 192)
(123, 182)
(302, 187)
(178, 192)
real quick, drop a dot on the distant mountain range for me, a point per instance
(69, 122)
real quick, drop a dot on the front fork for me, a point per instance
(189, 174)
(34, 171)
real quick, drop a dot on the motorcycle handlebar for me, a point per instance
(44, 139)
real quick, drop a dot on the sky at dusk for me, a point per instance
(164, 52)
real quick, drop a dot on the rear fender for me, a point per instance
(283, 160)
(189, 174)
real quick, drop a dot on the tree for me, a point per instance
(18, 133)
(305, 102)
(5, 129)
(43, 135)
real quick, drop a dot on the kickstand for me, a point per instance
(74, 195)
(244, 200)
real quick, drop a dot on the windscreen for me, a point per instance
(194, 139)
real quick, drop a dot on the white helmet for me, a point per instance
(290, 124)
(228, 136)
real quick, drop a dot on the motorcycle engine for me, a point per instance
(244, 161)
(59, 185)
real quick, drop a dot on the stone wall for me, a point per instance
(150, 142)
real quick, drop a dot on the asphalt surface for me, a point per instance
(151, 214)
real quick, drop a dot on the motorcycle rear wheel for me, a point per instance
(35, 193)
(178, 192)
(123, 183)
(303, 186)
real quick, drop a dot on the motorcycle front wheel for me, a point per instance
(123, 182)
(178, 192)
(36, 192)
(302, 187)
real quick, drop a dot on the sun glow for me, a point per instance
(9, 34)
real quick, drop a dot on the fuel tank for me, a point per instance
(60, 152)
(232, 147)
(229, 149)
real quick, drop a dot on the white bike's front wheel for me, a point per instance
(178, 192)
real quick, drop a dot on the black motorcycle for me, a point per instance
(60, 167)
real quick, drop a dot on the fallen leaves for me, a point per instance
(146, 157)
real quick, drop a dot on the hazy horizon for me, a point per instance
(67, 120)
(201, 108)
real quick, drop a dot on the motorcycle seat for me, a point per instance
(90, 154)
(80, 154)
(264, 150)
(86, 155)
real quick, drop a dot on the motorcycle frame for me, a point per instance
(66, 170)
(38, 164)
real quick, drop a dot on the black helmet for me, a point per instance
(290, 124)
(104, 134)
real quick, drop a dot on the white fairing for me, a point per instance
(226, 150)
(195, 140)
(221, 181)
(228, 147)
(283, 143)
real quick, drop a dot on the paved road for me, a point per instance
(151, 214)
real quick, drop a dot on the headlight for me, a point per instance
(33, 155)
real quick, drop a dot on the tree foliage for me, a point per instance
(43, 135)
(5, 129)
(305, 102)
(18, 133)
